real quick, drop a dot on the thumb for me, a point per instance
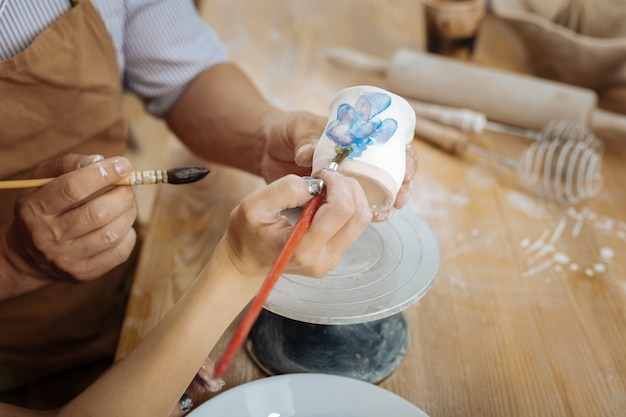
(304, 128)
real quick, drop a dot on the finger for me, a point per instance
(404, 195)
(383, 216)
(357, 222)
(200, 382)
(197, 385)
(304, 155)
(406, 189)
(283, 166)
(64, 164)
(336, 225)
(103, 238)
(74, 187)
(259, 217)
(97, 213)
(267, 204)
(97, 265)
(308, 128)
(411, 164)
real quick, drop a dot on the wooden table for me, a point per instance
(527, 316)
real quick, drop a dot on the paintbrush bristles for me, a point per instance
(185, 175)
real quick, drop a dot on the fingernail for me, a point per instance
(122, 166)
(215, 384)
(88, 160)
(302, 159)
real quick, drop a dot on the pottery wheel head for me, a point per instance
(387, 269)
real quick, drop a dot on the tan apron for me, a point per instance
(63, 94)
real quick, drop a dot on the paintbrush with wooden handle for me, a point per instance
(256, 305)
(181, 175)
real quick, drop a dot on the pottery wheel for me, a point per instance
(388, 268)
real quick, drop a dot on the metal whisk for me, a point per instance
(563, 170)
(470, 121)
(562, 164)
(558, 129)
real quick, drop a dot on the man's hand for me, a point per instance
(223, 117)
(290, 139)
(76, 228)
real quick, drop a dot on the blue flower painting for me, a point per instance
(358, 127)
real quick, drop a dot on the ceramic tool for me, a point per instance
(256, 305)
(475, 122)
(561, 170)
(513, 99)
(181, 175)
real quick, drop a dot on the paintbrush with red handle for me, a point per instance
(299, 228)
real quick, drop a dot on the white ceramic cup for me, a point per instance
(378, 125)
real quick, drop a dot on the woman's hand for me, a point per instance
(257, 228)
(77, 227)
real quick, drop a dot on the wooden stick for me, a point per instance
(182, 175)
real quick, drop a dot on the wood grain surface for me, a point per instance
(527, 316)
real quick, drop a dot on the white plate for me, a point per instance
(307, 395)
(388, 268)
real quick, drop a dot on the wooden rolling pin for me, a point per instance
(505, 97)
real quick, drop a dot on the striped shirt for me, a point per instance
(161, 45)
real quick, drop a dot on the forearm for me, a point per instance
(220, 117)
(151, 379)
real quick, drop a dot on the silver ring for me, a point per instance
(185, 403)
(313, 185)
